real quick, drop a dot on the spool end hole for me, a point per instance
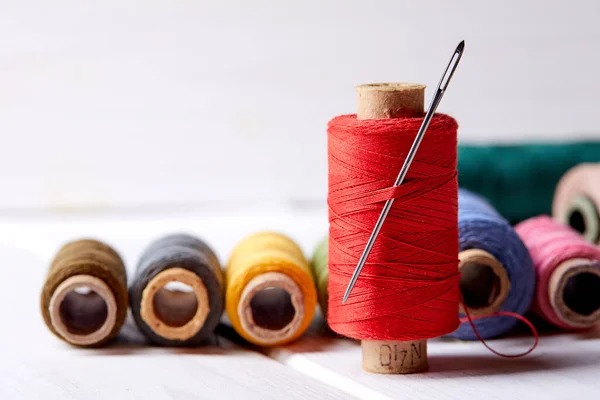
(577, 221)
(83, 311)
(175, 304)
(479, 285)
(582, 293)
(272, 308)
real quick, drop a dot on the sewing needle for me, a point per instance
(444, 81)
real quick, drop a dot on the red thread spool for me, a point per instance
(408, 290)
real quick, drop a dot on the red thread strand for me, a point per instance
(408, 289)
(521, 318)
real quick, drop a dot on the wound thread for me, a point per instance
(408, 289)
(320, 272)
(178, 317)
(84, 297)
(270, 292)
(568, 273)
(482, 229)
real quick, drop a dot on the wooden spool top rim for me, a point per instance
(391, 86)
(390, 100)
(99, 287)
(556, 287)
(148, 310)
(482, 258)
(267, 280)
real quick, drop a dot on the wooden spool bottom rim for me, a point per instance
(394, 357)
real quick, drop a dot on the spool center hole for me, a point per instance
(175, 304)
(83, 311)
(479, 285)
(582, 293)
(272, 308)
(577, 221)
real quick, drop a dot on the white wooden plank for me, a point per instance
(35, 364)
(46, 369)
(133, 102)
(562, 367)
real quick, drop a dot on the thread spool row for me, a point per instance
(83, 275)
(178, 292)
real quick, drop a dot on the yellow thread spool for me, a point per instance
(270, 293)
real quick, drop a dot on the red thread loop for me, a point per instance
(500, 314)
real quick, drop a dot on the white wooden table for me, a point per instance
(34, 364)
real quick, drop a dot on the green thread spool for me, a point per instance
(519, 180)
(320, 272)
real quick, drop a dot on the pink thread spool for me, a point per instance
(568, 273)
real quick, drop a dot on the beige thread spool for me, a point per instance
(84, 298)
(382, 101)
(576, 200)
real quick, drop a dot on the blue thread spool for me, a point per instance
(497, 273)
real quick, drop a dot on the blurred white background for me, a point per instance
(154, 104)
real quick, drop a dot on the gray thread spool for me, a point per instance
(177, 318)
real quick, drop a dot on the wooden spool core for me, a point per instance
(175, 314)
(390, 100)
(271, 308)
(484, 283)
(83, 310)
(382, 101)
(574, 291)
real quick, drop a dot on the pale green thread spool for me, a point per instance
(320, 272)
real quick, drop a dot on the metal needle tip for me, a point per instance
(409, 158)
